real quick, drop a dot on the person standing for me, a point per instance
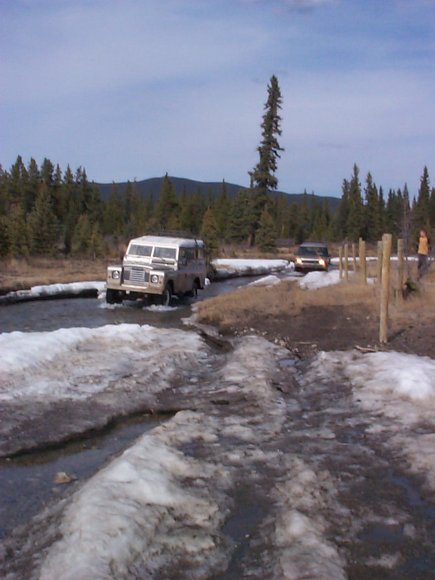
(423, 253)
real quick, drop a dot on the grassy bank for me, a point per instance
(25, 273)
(350, 309)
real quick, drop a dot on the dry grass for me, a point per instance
(235, 309)
(21, 274)
(246, 305)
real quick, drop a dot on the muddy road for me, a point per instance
(252, 463)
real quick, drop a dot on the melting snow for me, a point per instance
(399, 390)
(315, 280)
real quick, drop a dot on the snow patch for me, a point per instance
(148, 506)
(315, 280)
(77, 363)
(227, 268)
(270, 280)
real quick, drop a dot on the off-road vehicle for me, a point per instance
(312, 256)
(158, 267)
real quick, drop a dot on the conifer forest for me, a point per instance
(50, 211)
(47, 211)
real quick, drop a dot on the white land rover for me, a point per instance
(158, 267)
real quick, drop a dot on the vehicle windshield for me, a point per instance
(313, 251)
(165, 253)
(139, 250)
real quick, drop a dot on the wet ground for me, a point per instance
(380, 517)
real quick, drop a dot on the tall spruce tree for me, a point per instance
(373, 229)
(166, 212)
(355, 218)
(263, 177)
(43, 225)
(209, 233)
(266, 234)
(422, 206)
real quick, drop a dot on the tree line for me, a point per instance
(47, 211)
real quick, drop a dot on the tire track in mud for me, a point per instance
(310, 491)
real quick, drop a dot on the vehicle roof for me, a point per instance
(307, 244)
(167, 241)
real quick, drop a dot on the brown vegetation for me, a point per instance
(336, 317)
(22, 274)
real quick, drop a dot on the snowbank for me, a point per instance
(270, 280)
(54, 290)
(148, 506)
(77, 363)
(315, 280)
(230, 268)
(398, 389)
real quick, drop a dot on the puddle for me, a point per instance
(27, 482)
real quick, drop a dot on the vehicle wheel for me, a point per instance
(167, 296)
(194, 292)
(111, 296)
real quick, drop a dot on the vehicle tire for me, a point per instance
(111, 296)
(166, 296)
(194, 292)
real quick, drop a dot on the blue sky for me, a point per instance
(131, 89)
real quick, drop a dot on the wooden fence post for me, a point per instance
(400, 268)
(346, 261)
(340, 261)
(379, 270)
(354, 257)
(385, 288)
(363, 261)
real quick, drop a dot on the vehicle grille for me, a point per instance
(136, 275)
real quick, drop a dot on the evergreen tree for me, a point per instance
(167, 206)
(303, 226)
(17, 232)
(373, 229)
(43, 225)
(422, 206)
(113, 213)
(355, 219)
(209, 233)
(393, 213)
(241, 216)
(342, 213)
(81, 237)
(4, 240)
(263, 176)
(266, 234)
(222, 207)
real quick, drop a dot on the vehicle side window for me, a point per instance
(182, 257)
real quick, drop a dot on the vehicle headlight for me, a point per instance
(322, 262)
(155, 279)
(116, 274)
(298, 261)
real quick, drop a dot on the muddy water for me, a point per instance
(381, 512)
(27, 482)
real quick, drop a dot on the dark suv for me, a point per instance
(312, 256)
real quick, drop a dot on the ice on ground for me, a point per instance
(78, 363)
(149, 506)
(315, 280)
(71, 288)
(226, 268)
(398, 389)
(270, 280)
(155, 504)
(386, 379)
(160, 308)
(43, 291)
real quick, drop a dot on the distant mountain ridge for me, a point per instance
(151, 187)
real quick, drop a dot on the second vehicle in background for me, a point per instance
(312, 256)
